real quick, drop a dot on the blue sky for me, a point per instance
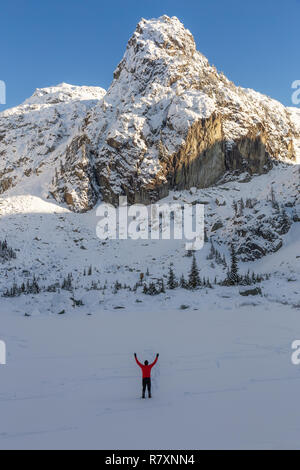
(255, 43)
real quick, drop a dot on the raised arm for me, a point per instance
(137, 361)
(155, 361)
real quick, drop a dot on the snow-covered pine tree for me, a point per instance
(172, 282)
(117, 287)
(233, 273)
(152, 289)
(183, 282)
(67, 283)
(241, 207)
(205, 235)
(162, 287)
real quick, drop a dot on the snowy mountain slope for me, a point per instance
(170, 120)
(225, 360)
(224, 373)
(51, 241)
(76, 142)
(34, 135)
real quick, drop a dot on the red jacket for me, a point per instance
(146, 369)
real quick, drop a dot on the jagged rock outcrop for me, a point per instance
(74, 182)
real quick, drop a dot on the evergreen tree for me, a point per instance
(67, 282)
(183, 283)
(233, 273)
(162, 287)
(194, 278)
(205, 235)
(152, 289)
(117, 287)
(242, 206)
(145, 289)
(172, 282)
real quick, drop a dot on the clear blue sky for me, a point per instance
(255, 43)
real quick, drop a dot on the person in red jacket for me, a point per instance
(146, 370)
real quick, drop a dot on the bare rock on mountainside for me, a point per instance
(169, 120)
(75, 181)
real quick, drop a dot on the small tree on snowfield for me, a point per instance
(162, 287)
(233, 275)
(172, 283)
(194, 278)
(152, 289)
(235, 207)
(145, 289)
(183, 283)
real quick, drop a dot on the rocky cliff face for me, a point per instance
(168, 121)
(74, 182)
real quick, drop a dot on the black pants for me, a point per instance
(147, 384)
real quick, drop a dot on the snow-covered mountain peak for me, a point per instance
(170, 120)
(163, 45)
(163, 33)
